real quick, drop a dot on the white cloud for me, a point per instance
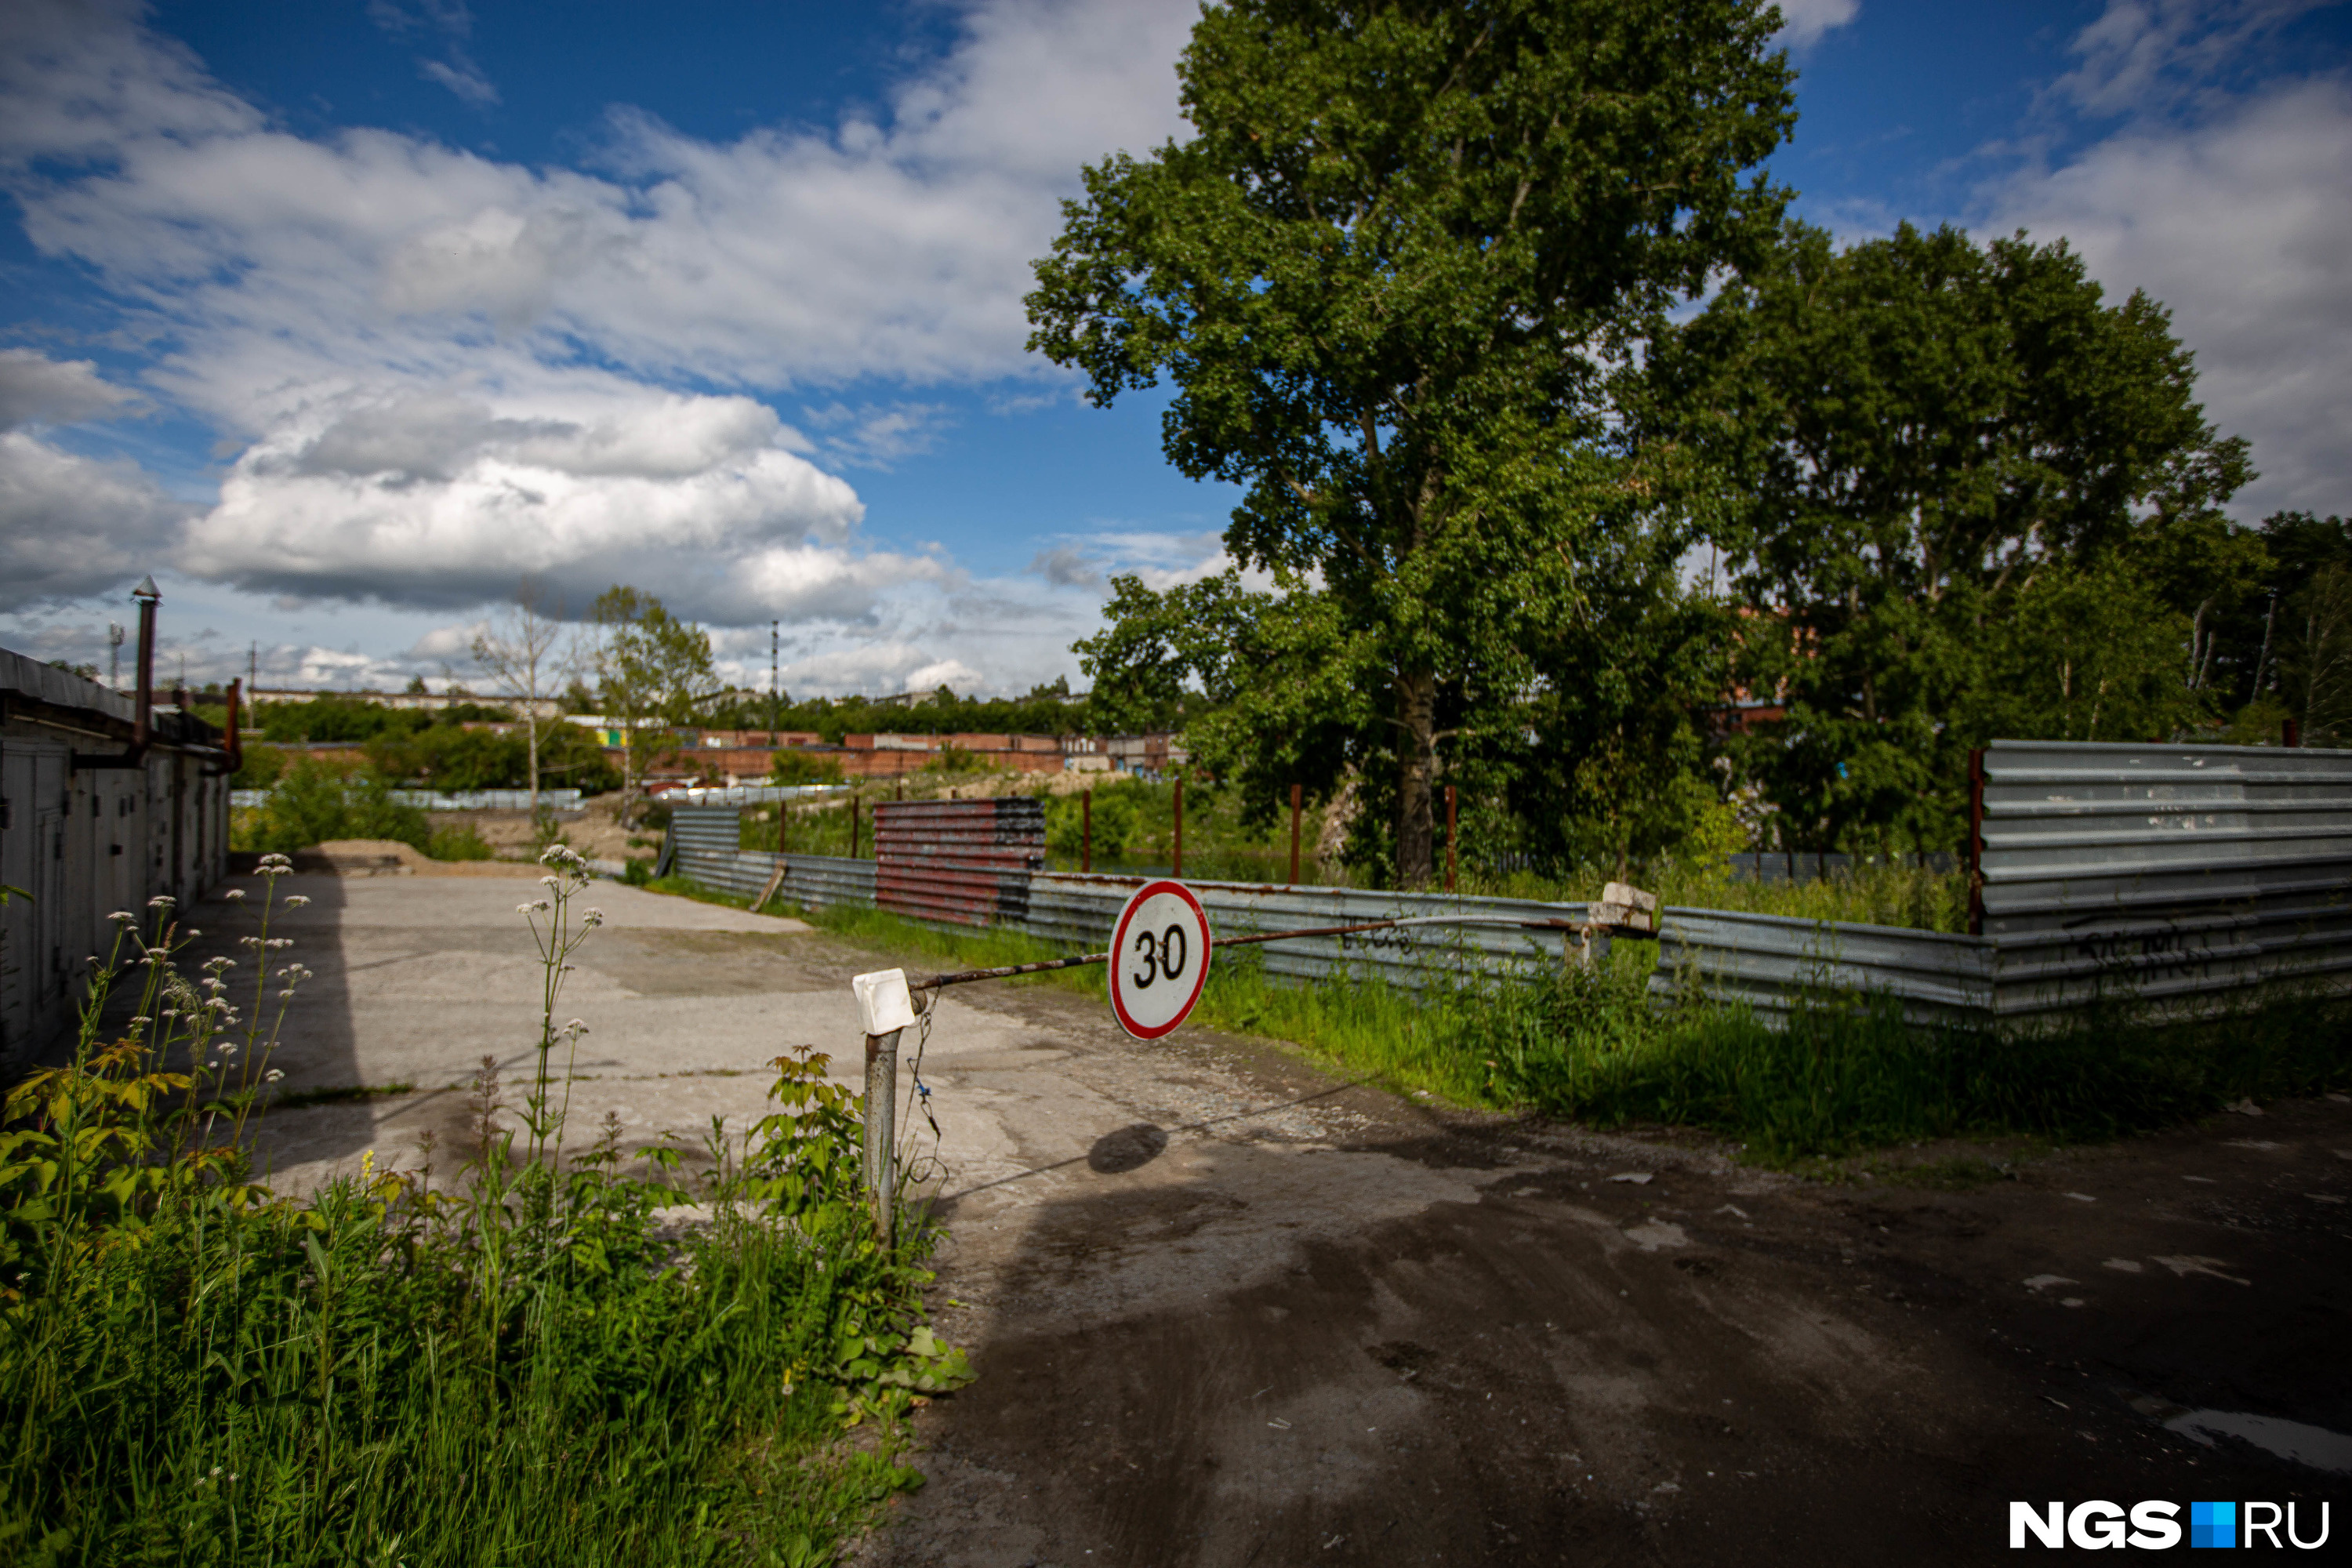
(2140, 55)
(37, 390)
(1065, 567)
(70, 525)
(449, 497)
(444, 372)
(1802, 22)
(2238, 219)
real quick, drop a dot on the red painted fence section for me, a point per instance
(964, 860)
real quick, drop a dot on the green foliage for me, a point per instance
(654, 671)
(1116, 816)
(804, 768)
(1396, 277)
(1048, 711)
(260, 769)
(315, 802)
(452, 758)
(352, 720)
(1941, 456)
(526, 1365)
(1847, 1073)
(462, 842)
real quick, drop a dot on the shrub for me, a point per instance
(802, 767)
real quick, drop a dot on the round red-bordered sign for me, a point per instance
(1158, 958)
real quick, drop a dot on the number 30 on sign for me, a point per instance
(1158, 958)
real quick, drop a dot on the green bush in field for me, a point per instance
(314, 802)
(528, 1365)
(1118, 812)
(798, 767)
(463, 842)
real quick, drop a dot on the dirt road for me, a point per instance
(1265, 1318)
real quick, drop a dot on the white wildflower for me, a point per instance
(273, 1075)
(594, 918)
(234, 893)
(162, 901)
(141, 1021)
(551, 881)
(122, 915)
(281, 942)
(298, 900)
(525, 908)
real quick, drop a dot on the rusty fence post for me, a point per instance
(2290, 733)
(853, 825)
(1449, 838)
(1178, 869)
(1086, 831)
(1976, 842)
(1294, 836)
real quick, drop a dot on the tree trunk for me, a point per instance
(1416, 825)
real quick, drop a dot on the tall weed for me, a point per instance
(561, 1357)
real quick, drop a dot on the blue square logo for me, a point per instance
(2212, 1524)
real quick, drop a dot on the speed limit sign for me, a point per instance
(1158, 958)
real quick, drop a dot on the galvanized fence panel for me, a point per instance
(825, 881)
(1769, 963)
(1078, 912)
(2163, 872)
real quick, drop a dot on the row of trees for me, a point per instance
(1521, 519)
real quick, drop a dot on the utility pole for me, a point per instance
(252, 667)
(114, 653)
(775, 644)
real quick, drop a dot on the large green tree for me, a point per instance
(1397, 278)
(1944, 454)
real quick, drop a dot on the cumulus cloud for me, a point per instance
(71, 526)
(37, 390)
(1803, 22)
(447, 497)
(440, 372)
(2235, 212)
(1065, 567)
(896, 246)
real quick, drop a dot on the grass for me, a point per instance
(536, 1362)
(1846, 1074)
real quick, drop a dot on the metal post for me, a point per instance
(881, 1171)
(1086, 831)
(2290, 733)
(1449, 838)
(1178, 869)
(1976, 842)
(853, 826)
(1294, 836)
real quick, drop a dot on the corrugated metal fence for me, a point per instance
(2161, 873)
(965, 861)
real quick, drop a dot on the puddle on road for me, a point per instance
(2315, 1447)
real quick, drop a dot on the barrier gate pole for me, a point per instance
(881, 1129)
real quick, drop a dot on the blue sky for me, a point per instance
(343, 316)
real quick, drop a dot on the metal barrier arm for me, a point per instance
(1006, 971)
